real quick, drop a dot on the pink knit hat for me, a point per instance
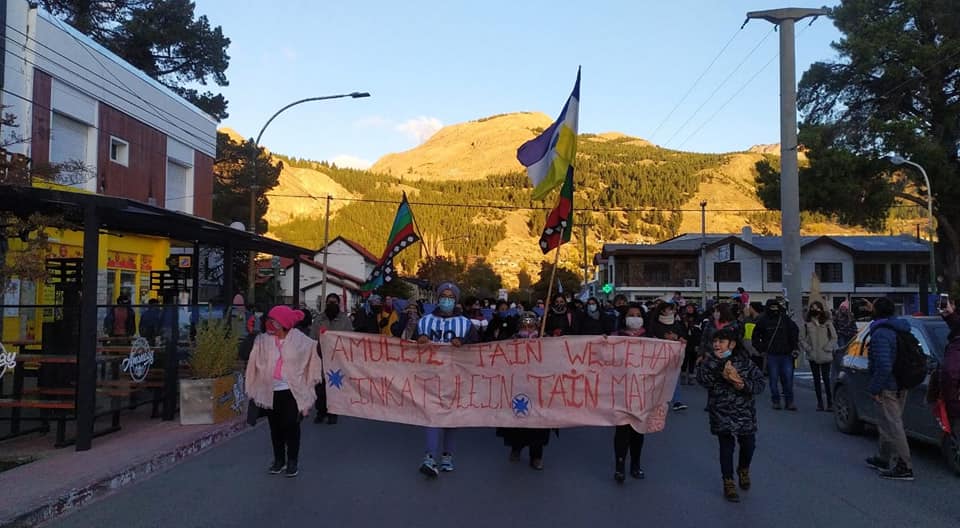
(286, 316)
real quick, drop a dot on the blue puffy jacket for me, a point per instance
(883, 351)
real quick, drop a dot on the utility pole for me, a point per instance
(703, 252)
(326, 242)
(586, 265)
(789, 178)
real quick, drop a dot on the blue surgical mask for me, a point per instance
(726, 354)
(447, 304)
(591, 308)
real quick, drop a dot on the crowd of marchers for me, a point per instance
(734, 348)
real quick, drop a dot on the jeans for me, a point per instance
(821, 376)
(625, 439)
(748, 444)
(781, 373)
(676, 392)
(893, 439)
(284, 421)
(433, 440)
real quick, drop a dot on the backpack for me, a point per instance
(910, 363)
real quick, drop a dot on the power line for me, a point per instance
(722, 83)
(695, 82)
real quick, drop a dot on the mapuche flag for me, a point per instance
(560, 222)
(548, 156)
(402, 236)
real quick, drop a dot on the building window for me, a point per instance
(119, 151)
(829, 271)
(870, 274)
(656, 272)
(915, 272)
(896, 277)
(726, 271)
(178, 191)
(68, 147)
(774, 272)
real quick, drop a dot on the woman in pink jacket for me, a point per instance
(281, 375)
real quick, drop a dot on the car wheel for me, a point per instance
(845, 412)
(951, 451)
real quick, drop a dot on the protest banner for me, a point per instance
(541, 383)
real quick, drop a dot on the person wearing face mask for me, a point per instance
(625, 439)
(818, 340)
(591, 321)
(560, 320)
(281, 376)
(504, 324)
(368, 316)
(446, 326)
(664, 325)
(331, 319)
(406, 327)
(732, 381)
(517, 438)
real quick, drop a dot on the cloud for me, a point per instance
(420, 128)
(350, 162)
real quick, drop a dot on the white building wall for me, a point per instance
(751, 271)
(342, 257)
(826, 253)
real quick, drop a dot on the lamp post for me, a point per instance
(900, 160)
(252, 228)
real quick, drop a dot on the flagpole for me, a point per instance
(549, 302)
(416, 227)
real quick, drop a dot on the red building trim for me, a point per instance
(145, 173)
(40, 131)
(202, 185)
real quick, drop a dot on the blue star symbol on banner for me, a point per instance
(335, 378)
(521, 405)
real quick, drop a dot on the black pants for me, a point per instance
(689, 361)
(321, 405)
(821, 376)
(748, 443)
(284, 421)
(625, 439)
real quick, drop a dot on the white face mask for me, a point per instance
(634, 322)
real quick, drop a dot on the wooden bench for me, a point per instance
(66, 406)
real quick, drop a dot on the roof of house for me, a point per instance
(287, 263)
(690, 243)
(364, 252)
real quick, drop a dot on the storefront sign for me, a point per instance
(146, 263)
(140, 360)
(541, 383)
(8, 360)
(116, 259)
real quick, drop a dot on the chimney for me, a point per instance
(747, 234)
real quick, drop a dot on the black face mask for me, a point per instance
(332, 310)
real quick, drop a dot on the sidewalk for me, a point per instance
(64, 479)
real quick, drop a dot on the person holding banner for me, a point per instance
(331, 319)
(732, 381)
(625, 439)
(560, 319)
(281, 374)
(446, 326)
(517, 438)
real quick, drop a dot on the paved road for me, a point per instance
(364, 474)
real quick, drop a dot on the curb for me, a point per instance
(65, 501)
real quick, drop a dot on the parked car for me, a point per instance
(853, 406)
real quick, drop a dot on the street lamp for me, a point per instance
(251, 270)
(900, 160)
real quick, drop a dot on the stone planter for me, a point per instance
(210, 401)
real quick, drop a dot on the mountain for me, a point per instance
(471, 198)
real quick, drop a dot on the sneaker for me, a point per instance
(730, 490)
(637, 473)
(277, 467)
(619, 477)
(536, 463)
(292, 470)
(900, 472)
(429, 466)
(514, 455)
(777, 406)
(791, 407)
(679, 406)
(744, 474)
(877, 463)
(446, 463)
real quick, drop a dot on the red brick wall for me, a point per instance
(145, 173)
(202, 185)
(40, 131)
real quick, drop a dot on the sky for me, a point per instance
(429, 64)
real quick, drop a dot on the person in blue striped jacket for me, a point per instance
(444, 325)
